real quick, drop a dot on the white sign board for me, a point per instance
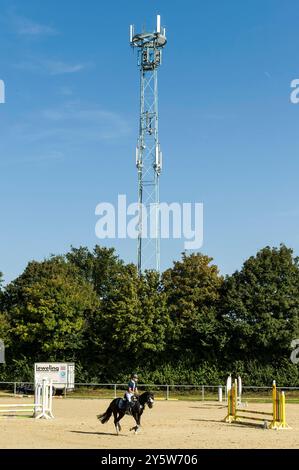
(62, 374)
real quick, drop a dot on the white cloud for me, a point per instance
(52, 67)
(65, 91)
(288, 213)
(59, 68)
(71, 125)
(44, 156)
(218, 116)
(25, 26)
(88, 122)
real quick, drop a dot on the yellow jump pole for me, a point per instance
(229, 391)
(283, 422)
(229, 416)
(231, 410)
(278, 414)
(279, 409)
(274, 404)
(235, 398)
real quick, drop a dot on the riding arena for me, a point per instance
(182, 422)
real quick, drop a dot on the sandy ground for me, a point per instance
(173, 424)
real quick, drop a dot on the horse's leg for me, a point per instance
(138, 425)
(137, 420)
(121, 415)
(118, 415)
(117, 427)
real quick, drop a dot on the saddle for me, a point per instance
(122, 404)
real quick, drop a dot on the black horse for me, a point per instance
(118, 408)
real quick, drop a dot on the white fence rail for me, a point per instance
(162, 391)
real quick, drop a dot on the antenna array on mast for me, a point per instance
(148, 151)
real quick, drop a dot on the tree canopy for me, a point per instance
(47, 308)
(188, 325)
(261, 304)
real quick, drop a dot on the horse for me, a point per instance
(117, 407)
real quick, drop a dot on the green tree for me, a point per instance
(1, 292)
(4, 328)
(101, 267)
(260, 306)
(48, 309)
(4, 323)
(154, 317)
(130, 327)
(192, 287)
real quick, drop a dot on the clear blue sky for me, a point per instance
(227, 128)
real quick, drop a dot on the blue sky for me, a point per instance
(68, 129)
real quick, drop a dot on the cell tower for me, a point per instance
(148, 152)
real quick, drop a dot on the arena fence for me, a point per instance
(162, 391)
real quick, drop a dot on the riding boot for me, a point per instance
(128, 408)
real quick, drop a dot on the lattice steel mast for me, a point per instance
(148, 152)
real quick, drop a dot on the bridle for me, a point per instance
(150, 401)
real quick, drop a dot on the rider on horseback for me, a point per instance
(132, 391)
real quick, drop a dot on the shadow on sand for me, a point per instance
(207, 420)
(209, 407)
(99, 433)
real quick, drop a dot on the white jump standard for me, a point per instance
(42, 406)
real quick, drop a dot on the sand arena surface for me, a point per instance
(172, 424)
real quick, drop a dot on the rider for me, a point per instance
(132, 390)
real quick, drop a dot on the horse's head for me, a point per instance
(151, 399)
(147, 398)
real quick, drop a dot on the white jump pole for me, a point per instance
(220, 393)
(45, 393)
(228, 384)
(239, 393)
(50, 400)
(42, 406)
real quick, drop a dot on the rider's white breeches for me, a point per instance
(129, 396)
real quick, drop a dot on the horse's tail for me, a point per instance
(104, 418)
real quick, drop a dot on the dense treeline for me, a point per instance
(190, 326)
